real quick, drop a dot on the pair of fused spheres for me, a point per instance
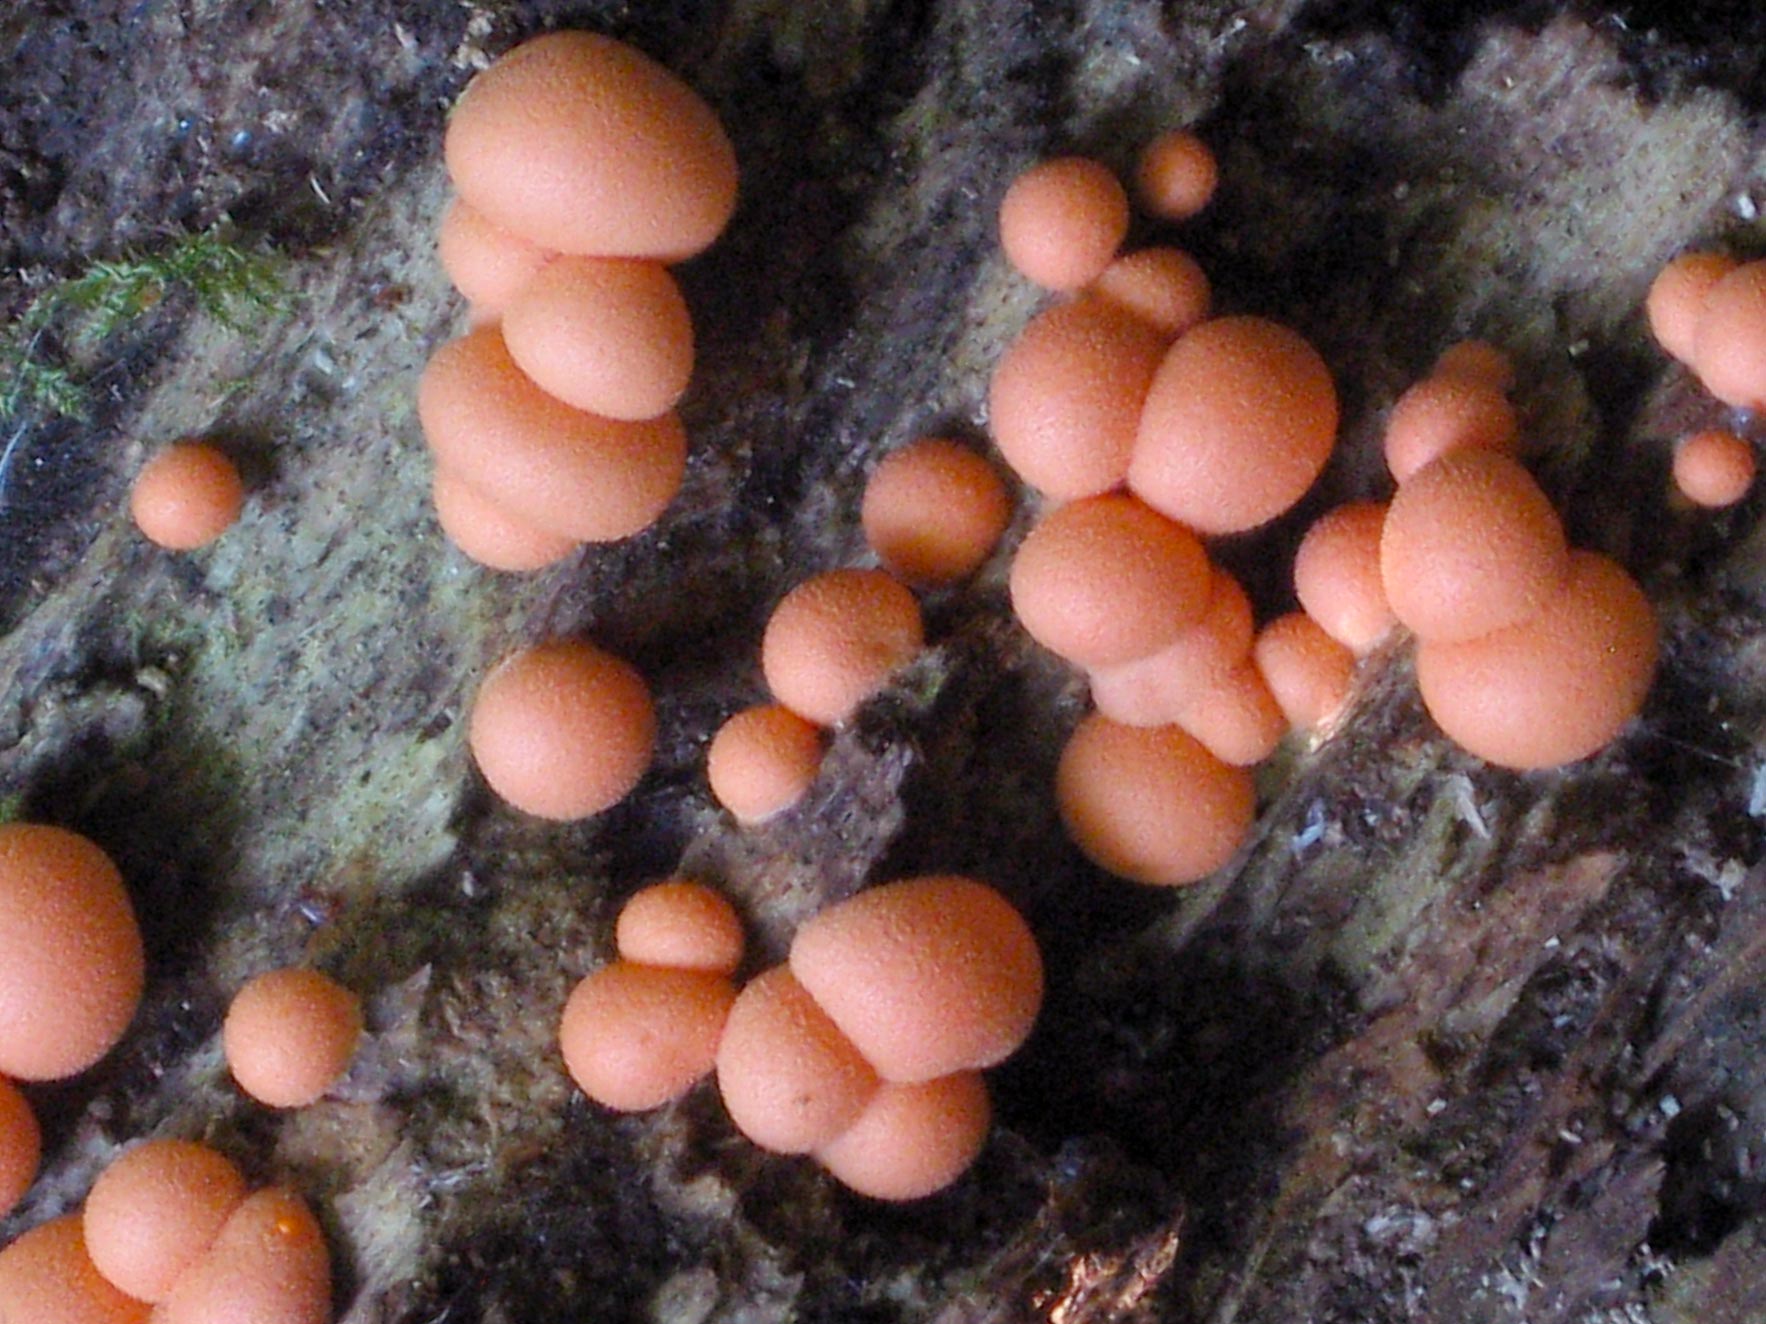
(644, 1028)
(1709, 311)
(172, 1223)
(1531, 655)
(1222, 430)
(865, 1049)
(583, 167)
(831, 643)
(169, 1232)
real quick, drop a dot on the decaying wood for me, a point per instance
(1444, 1043)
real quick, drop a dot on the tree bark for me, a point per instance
(1443, 1042)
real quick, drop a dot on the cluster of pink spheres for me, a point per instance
(169, 1229)
(583, 169)
(1150, 425)
(863, 1050)
(1708, 310)
(170, 1234)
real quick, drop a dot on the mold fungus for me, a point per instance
(562, 730)
(1151, 804)
(1556, 687)
(926, 976)
(1240, 419)
(71, 962)
(583, 144)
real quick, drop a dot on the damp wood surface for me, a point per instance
(1443, 1043)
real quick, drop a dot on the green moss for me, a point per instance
(226, 281)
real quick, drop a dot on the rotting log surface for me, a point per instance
(1445, 1043)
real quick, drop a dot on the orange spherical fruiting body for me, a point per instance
(21, 1146)
(636, 1036)
(71, 961)
(1151, 804)
(680, 925)
(1557, 686)
(1337, 575)
(1729, 342)
(572, 473)
(1239, 421)
(486, 263)
(609, 336)
(1235, 716)
(46, 1277)
(289, 1036)
(926, 976)
(187, 496)
(1446, 413)
(1105, 580)
(762, 761)
(790, 1079)
(1062, 220)
(583, 144)
(490, 535)
(1065, 400)
(562, 730)
(1164, 287)
(269, 1264)
(1714, 468)
(1477, 361)
(836, 639)
(1676, 299)
(1309, 673)
(1470, 545)
(933, 511)
(1155, 690)
(913, 1140)
(1176, 176)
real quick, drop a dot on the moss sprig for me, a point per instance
(228, 282)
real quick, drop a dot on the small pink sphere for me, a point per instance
(1062, 221)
